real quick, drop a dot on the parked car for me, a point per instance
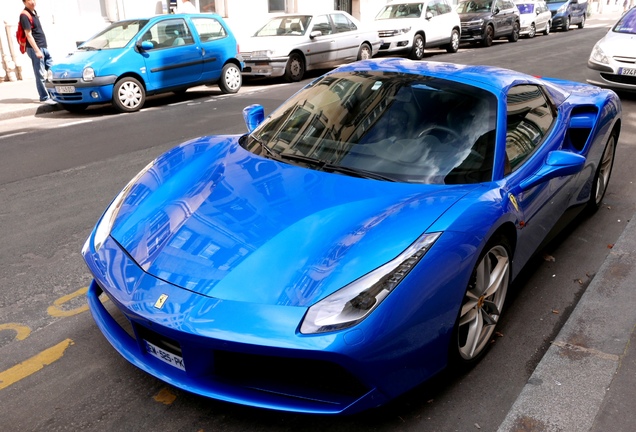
(612, 62)
(483, 21)
(535, 17)
(410, 27)
(134, 58)
(290, 45)
(567, 13)
(356, 241)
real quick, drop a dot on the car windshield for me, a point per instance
(525, 8)
(408, 10)
(285, 26)
(401, 127)
(627, 23)
(474, 6)
(117, 35)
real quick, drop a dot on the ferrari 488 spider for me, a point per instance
(356, 241)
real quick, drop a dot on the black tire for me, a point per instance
(417, 51)
(74, 108)
(470, 344)
(602, 175)
(128, 95)
(514, 36)
(365, 52)
(295, 69)
(566, 24)
(453, 46)
(489, 34)
(230, 81)
(533, 31)
(547, 28)
(582, 23)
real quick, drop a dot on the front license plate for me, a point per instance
(165, 356)
(65, 89)
(627, 71)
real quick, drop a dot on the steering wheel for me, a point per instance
(445, 129)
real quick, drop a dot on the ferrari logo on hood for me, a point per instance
(161, 300)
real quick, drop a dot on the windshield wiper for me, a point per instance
(89, 48)
(329, 167)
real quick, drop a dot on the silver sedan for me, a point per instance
(290, 45)
(613, 59)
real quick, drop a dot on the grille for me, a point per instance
(629, 60)
(65, 81)
(387, 33)
(621, 79)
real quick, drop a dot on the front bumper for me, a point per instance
(608, 77)
(100, 90)
(396, 44)
(265, 67)
(472, 33)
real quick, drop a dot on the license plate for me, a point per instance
(165, 356)
(65, 89)
(627, 71)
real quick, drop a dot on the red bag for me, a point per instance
(20, 35)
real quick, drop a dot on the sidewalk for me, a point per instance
(586, 381)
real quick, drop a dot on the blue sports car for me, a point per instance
(355, 242)
(134, 58)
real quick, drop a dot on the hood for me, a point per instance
(218, 220)
(281, 45)
(75, 62)
(555, 6)
(466, 17)
(619, 44)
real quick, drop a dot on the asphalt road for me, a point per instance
(58, 173)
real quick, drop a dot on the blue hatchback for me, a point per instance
(134, 58)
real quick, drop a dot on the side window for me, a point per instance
(444, 7)
(499, 5)
(321, 23)
(209, 29)
(170, 33)
(529, 117)
(433, 7)
(342, 23)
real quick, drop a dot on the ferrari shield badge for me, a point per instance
(161, 300)
(513, 201)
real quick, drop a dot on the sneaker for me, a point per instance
(49, 101)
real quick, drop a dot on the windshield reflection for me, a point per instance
(116, 36)
(408, 128)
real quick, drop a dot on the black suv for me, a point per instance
(486, 20)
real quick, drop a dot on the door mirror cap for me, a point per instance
(559, 163)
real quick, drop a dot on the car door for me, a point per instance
(503, 24)
(321, 49)
(435, 30)
(215, 45)
(175, 59)
(530, 137)
(347, 37)
(543, 15)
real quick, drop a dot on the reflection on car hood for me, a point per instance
(280, 45)
(74, 63)
(619, 44)
(397, 23)
(216, 219)
(465, 17)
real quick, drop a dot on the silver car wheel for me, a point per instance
(605, 170)
(128, 95)
(483, 302)
(231, 79)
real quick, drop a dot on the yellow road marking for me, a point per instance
(22, 331)
(56, 310)
(34, 364)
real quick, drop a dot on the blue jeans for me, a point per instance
(40, 66)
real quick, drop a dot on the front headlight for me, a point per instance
(262, 54)
(49, 75)
(354, 302)
(88, 74)
(105, 224)
(475, 22)
(404, 30)
(598, 55)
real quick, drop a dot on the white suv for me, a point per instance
(410, 27)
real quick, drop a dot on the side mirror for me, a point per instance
(315, 34)
(559, 163)
(496, 11)
(253, 116)
(429, 15)
(145, 45)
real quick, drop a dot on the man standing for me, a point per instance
(36, 48)
(186, 6)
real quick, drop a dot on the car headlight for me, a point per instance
(262, 54)
(405, 30)
(475, 22)
(353, 303)
(49, 75)
(562, 8)
(598, 55)
(105, 224)
(88, 74)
